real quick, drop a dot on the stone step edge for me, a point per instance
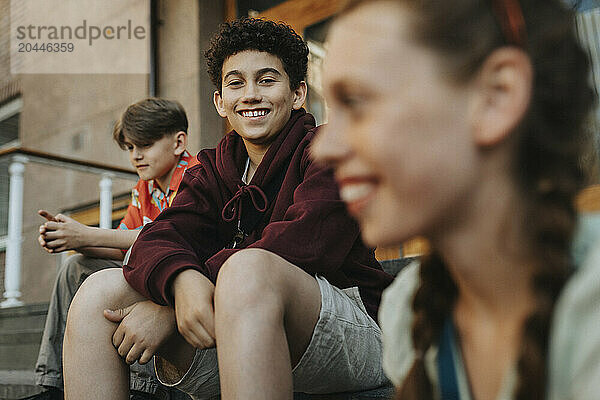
(25, 310)
(23, 336)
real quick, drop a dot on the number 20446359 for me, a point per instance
(26, 47)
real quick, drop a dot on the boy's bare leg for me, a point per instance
(93, 368)
(265, 313)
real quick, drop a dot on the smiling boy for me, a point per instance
(154, 132)
(257, 255)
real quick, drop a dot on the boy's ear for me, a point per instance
(219, 105)
(179, 143)
(299, 95)
(502, 95)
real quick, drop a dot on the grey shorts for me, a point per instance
(344, 354)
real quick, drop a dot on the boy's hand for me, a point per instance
(47, 215)
(62, 233)
(194, 311)
(42, 230)
(143, 328)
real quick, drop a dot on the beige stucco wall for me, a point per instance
(178, 68)
(58, 107)
(184, 32)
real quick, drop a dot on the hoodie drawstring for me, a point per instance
(234, 206)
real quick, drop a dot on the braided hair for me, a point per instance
(550, 142)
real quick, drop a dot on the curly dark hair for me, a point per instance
(258, 34)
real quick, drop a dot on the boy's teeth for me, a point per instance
(351, 192)
(254, 113)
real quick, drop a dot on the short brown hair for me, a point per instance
(149, 120)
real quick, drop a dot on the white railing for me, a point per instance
(19, 157)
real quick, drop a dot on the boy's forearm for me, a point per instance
(112, 238)
(102, 252)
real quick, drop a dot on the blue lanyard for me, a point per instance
(445, 363)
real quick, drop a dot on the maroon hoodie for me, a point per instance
(304, 222)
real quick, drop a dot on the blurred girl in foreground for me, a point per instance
(463, 121)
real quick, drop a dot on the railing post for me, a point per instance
(106, 201)
(12, 271)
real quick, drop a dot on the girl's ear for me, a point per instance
(502, 95)
(180, 143)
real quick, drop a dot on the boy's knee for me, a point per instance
(103, 280)
(98, 291)
(247, 278)
(248, 266)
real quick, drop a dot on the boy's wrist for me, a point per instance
(186, 277)
(91, 237)
(178, 281)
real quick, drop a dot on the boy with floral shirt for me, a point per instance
(154, 131)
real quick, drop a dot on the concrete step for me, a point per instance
(19, 349)
(24, 317)
(20, 335)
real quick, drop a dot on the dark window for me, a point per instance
(9, 129)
